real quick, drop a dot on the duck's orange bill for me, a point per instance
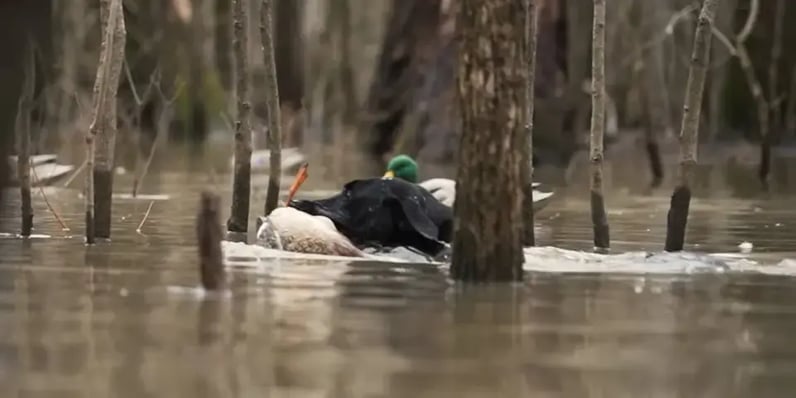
(301, 176)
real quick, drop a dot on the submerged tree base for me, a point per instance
(103, 197)
(468, 260)
(599, 220)
(89, 228)
(241, 192)
(208, 235)
(765, 162)
(677, 219)
(528, 234)
(27, 212)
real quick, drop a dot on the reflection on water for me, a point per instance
(124, 319)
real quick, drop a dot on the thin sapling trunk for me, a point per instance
(531, 28)
(23, 140)
(272, 103)
(689, 129)
(103, 127)
(598, 216)
(208, 236)
(238, 222)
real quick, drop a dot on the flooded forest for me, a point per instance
(373, 198)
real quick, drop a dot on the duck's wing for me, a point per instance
(417, 217)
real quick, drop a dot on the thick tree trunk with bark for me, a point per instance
(102, 132)
(272, 103)
(241, 186)
(598, 216)
(689, 129)
(528, 237)
(487, 244)
(23, 127)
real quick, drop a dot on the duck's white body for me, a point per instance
(444, 189)
(289, 229)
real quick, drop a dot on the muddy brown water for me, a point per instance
(123, 319)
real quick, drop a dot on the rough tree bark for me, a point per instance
(487, 244)
(23, 126)
(99, 183)
(241, 186)
(208, 236)
(598, 217)
(531, 30)
(272, 103)
(689, 129)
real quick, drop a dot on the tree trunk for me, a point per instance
(289, 44)
(689, 129)
(487, 244)
(272, 103)
(656, 99)
(774, 65)
(208, 236)
(23, 127)
(757, 92)
(413, 25)
(531, 30)
(598, 218)
(241, 186)
(103, 125)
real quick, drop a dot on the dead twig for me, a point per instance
(167, 103)
(47, 202)
(75, 173)
(146, 215)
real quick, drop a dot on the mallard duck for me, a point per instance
(287, 228)
(444, 189)
(290, 229)
(386, 212)
(367, 213)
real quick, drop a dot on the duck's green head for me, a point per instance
(403, 167)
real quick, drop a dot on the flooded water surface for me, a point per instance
(124, 319)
